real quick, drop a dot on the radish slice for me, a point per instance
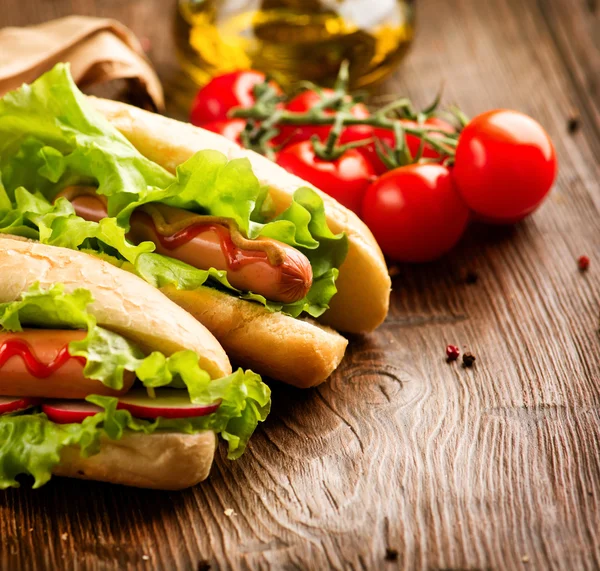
(13, 404)
(67, 412)
(170, 403)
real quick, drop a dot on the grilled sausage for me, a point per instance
(36, 363)
(267, 267)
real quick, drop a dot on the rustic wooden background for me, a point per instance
(402, 459)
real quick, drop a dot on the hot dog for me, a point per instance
(266, 266)
(37, 363)
(65, 317)
(132, 157)
(362, 300)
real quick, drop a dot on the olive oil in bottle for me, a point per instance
(294, 40)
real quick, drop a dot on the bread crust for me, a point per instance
(163, 460)
(123, 302)
(300, 352)
(362, 301)
(126, 304)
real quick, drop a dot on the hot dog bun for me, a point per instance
(362, 301)
(300, 352)
(128, 305)
(164, 461)
(123, 302)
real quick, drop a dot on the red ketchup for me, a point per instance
(236, 257)
(208, 244)
(285, 277)
(13, 347)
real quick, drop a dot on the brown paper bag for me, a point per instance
(99, 50)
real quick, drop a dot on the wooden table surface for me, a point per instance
(402, 459)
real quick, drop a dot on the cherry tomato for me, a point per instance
(346, 179)
(387, 136)
(505, 165)
(230, 129)
(223, 93)
(305, 101)
(415, 213)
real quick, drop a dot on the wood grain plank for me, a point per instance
(564, 24)
(492, 467)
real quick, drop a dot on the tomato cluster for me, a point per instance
(499, 169)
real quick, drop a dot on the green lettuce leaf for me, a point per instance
(161, 271)
(32, 216)
(31, 444)
(51, 308)
(108, 355)
(51, 137)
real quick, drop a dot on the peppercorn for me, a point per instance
(391, 554)
(468, 360)
(471, 277)
(583, 263)
(452, 352)
(573, 124)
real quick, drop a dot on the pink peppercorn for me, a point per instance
(452, 352)
(583, 263)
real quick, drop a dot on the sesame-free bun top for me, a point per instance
(123, 302)
(362, 301)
